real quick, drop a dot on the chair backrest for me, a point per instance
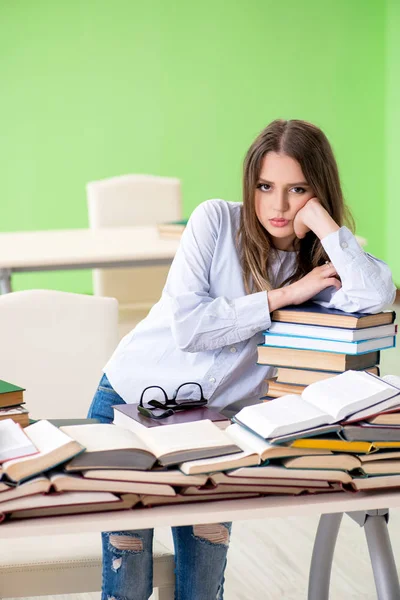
(55, 345)
(133, 200)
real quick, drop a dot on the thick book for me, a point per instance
(332, 333)
(19, 414)
(259, 488)
(46, 505)
(276, 340)
(313, 359)
(277, 389)
(335, 445)
(254, 452)
(54, 448)
(157, 476)
(64, 482)
(322, 403)
(342, 462)
(311, 313)
(111, 446)
(127, 415)
(378, 482)
(10, 394)
(14, 443)
(275, 475)
(290, 375)
(149, 500)
(370, 433)
(304, 477)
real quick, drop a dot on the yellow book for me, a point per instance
(340, 445)
(387, 444)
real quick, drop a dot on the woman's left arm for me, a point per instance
(367, 284)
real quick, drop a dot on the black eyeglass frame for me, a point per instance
(170, 405)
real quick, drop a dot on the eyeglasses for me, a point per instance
(169, 406)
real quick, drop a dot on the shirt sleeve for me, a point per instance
(199, 321)
(367, 284)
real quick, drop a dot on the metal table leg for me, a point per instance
(380, 552)
(322, 556)
(5, 281)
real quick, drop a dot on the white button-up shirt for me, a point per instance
(205, 328)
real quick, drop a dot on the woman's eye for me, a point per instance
(298, 190)
(264, 187)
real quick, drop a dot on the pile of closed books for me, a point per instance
(340, 434)
(12, 403)
(309, 343)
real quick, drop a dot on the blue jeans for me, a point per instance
(200, 550)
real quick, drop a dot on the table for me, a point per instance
(82, 249)
(330, 505)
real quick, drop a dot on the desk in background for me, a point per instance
(81, 249)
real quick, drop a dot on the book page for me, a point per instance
(347, 393)
(184, 436)
(247, 441)
(12, 436)
(103, 436)
(393, 380)
(46, 437)
(280, 416)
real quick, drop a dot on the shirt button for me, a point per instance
(212, 380)
(233, 349)
(344, 245)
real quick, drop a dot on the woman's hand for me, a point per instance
(313, 216)
(306, 288)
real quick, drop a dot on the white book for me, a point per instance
(322, 403)
(326, 345)
(333, 333)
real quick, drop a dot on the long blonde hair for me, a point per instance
(307, 144)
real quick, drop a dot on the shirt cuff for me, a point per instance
(342, 248)
(252, 312)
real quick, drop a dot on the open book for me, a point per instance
(54, 448)
(46, 505)
(254, 451)
(112, 447)
(14, 442)
(329, 401)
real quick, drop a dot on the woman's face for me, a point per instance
(280, 193)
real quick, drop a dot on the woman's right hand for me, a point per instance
(305, 288)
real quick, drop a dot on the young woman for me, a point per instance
(236, 263)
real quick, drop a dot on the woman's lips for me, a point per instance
(279, 222)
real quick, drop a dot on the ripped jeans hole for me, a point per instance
(215, 533)
(126, 542)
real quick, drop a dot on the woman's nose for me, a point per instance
(280, 203)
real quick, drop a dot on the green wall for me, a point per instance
(92, 89)
(393, 138)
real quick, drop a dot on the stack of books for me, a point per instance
(12, 403)
(309, 343)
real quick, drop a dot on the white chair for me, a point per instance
(133, 200)
(55, 344)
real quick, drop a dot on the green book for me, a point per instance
(10, 394)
